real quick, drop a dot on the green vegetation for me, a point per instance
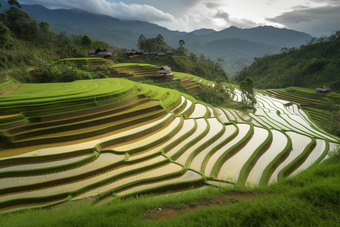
(310, 198)
(312, 65)
(248, 95)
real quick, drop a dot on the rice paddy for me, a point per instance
(111, 138)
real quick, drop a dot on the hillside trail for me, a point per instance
(175, 210)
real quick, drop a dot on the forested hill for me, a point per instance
(312, 65)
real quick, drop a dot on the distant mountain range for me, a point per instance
(237, 46)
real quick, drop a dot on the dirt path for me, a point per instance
(178, 209)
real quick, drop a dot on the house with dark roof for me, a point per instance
(323, 90)
(104, 54)
(155, 53)
(170, 53)
(164, 71)
(109, 50)
(91, 53)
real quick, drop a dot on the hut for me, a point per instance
(161, 54)
(91, 53)
(165, 73)
(153, 53)
(104, 54)
(323, 90)
(109, 50)
(170, 53)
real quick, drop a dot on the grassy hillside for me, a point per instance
(312, 65)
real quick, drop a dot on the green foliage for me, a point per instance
(332, 115)
(204, 67)
(86, 42)
(146, 81)
(63, 73)
(312, 65)
(248, 96)
(213, 96)
(152, 44)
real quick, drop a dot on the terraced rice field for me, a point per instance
(112, 138)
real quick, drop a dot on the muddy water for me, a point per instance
(187, 126)
(215, 127)
(189, 175)
(201, 126)
(243, 130)
(277, 120)
(189, 104)
(261, 122)
(299, 143)
(332, 148)
(156, 172)
(199, 111)
(277, 146)
(314, 155)
(58, 148)
(147, 139)
(232, 167)
(43, 164)
(211, 111)
(198, 160)
(221, 115)
(304, 123)
(83, 182)
(94, 127)
(103, 160)
(180, 105)
(230, 116)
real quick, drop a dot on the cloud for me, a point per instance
(315, 21)
(240, 23)
(212, 5)
(118, 10)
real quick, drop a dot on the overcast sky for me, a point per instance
(316, 17)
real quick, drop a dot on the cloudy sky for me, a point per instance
(316, 17)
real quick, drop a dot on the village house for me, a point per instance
(323, 90)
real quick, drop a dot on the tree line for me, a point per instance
(314, 64)
(24, 41)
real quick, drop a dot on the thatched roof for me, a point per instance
(164, 70)
(91, 52)
(167, 68)
(138, 51)
(105, 53)
(323, 89)
(109, 50)
(161, 54)
(153, 53)
(126, 52)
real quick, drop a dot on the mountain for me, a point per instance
(237, 46)
(313, 65)
(203, 31)
(266, 34)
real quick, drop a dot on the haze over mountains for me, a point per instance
(237, 46)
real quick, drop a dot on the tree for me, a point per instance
(45, 33)
(248, 96)
(14, 2)
(4, 38)
(86, 41)
(181, 43)
(141, 42)
(19, 22)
